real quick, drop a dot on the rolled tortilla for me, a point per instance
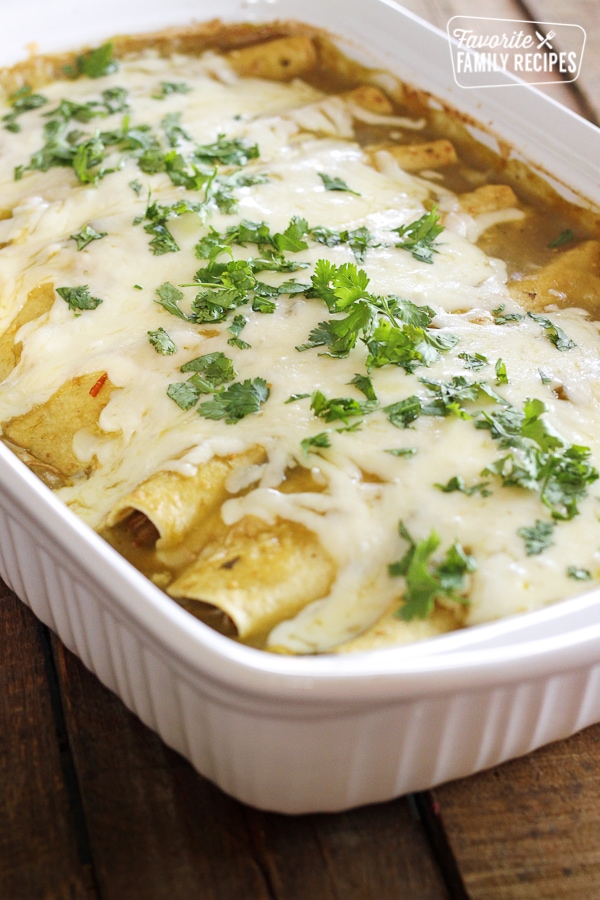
(572, 279)
(488, 198)
(392, 631)
(175, 504)
(429, 155)
(39, 300)
(279, 60)
(369, 97)
(47, 431)
(258, 574)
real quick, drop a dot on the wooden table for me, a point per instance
(93, 805)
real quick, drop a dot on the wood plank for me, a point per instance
(156, 828)
(585, 13)
(530, 828)
(377, 851)
(159, 830)
(40, 853)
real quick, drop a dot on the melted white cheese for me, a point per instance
(300, 134)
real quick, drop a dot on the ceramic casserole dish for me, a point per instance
(310, 733)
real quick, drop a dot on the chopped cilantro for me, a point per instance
(216, 368)
(419, 236)
(555, 334)
(22, 100)
(395, 330)
(449, 396)
(169, 297)
(292, 239)
(538, 537)
(228, 152)
(88, 156)
(94, 63)
(359, 239)
(209, 373)
(174, 132)
(86, 236)
(427, 580)
(335, 184)
(184, 393)
(365, 386)
(342, 408)
(457, 483)
(402, 451)
(402, 413)
(78, 298)
(162, 342)
(501, 373)
(501, 318)
(236, 327)
(474, 361)
(539, 460)
(166, 88)
(237, 401)
(579, 574)
(316, 442)
(565, 237)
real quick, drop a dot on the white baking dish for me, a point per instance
(323, 733)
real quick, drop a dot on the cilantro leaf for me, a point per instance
(564, 237)
(235, 152)
(162, 342)
(292, 239)
(169, 297)
(237, 401)
(210, 372)
(502, 318)
(359, 240)
(316, 442)
(184, 393)
(474, 361)
(94, 63)
(365, 386)
(501, 373)
(340, 335)
(87, 157)
(78, 298)
(402, 451)
(86, 236)
(21, 101)
(342, 408)
(457, 483)
(539, 459)
(403, 412)
(579, 574)
(427, 580)
(170, 87)
(419, 236)
(215, 367)
(235, 329)
(555, 334)
(174, 131)
(335, 184)
(538, 537)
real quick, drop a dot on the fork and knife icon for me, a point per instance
(545, 41)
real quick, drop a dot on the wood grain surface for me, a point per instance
(94, 806)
